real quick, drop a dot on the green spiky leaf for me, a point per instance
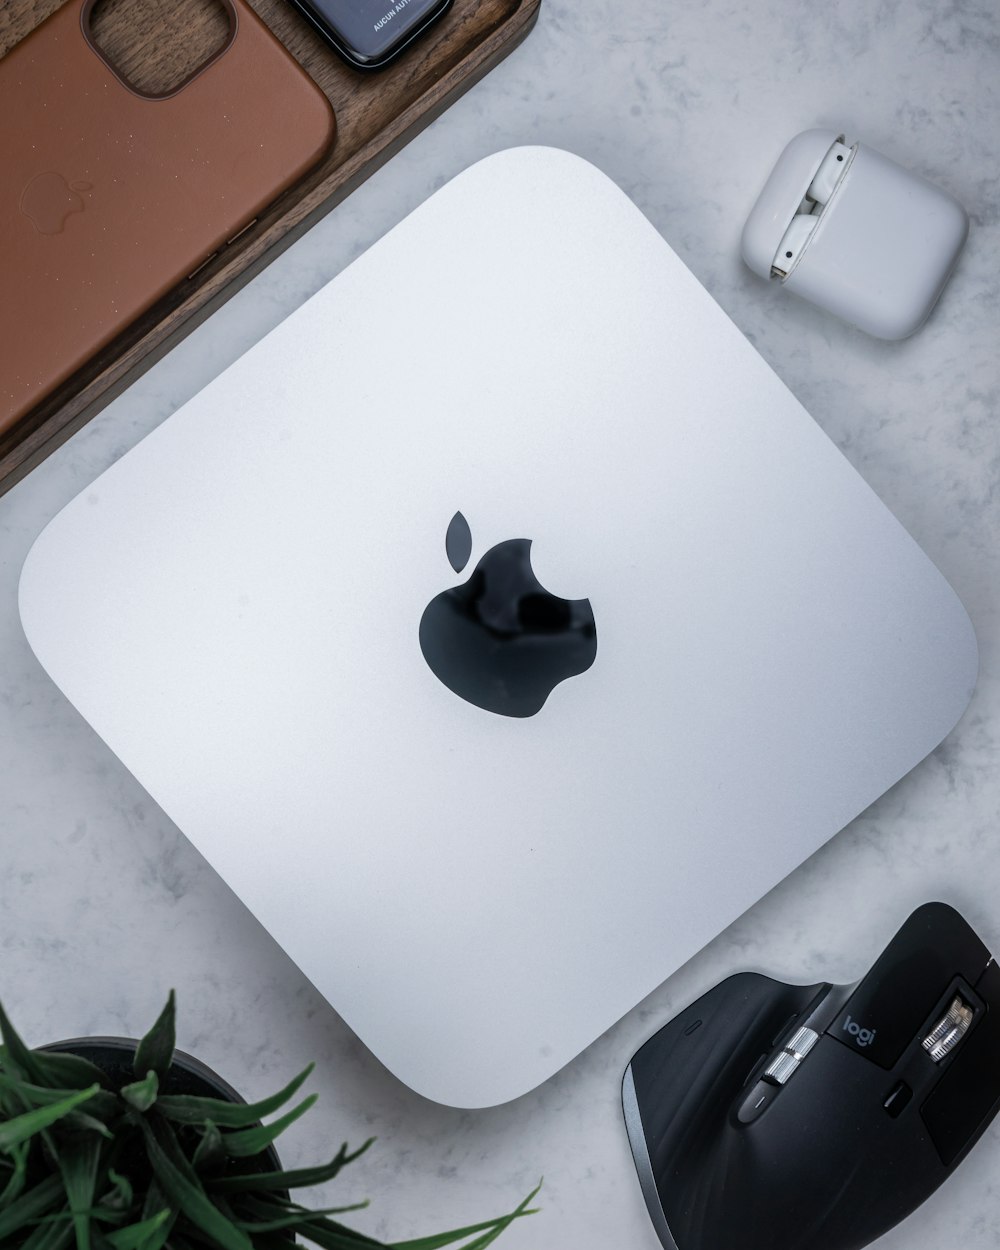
(142, 1094)
(331, 1236)
(189, 1109)
(79, 1122)
(141, 1235)
(251, 1141)
(294, 1218)
(156, 1201)
(299, 1178)
(78, 1165)
(15, 1052)
(210, 1156)
(155, 1052)
(29, 1206)
(120, 1195)
(103, 1105)
(17, 1159)
(490, 1229)
(51, 1236)
(180, 1183)
(62, 1071)
(24, 1126)
(53, 1069)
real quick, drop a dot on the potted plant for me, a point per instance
(110, 1144)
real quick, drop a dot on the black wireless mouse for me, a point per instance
(816, 1117)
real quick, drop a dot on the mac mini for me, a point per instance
(499, 627)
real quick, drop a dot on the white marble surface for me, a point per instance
(104, 905)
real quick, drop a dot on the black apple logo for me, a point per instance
(48, 201)
(501, 640)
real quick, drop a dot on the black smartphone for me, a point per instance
(370, 33)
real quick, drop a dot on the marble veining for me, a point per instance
(104, 905)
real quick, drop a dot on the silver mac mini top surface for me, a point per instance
(499, 627)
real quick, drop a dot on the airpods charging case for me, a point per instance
(855, 233)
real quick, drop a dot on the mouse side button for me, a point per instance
(757, 1101)
(897, 1099)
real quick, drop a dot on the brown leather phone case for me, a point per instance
(109, 198)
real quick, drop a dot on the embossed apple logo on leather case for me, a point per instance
(48, 201)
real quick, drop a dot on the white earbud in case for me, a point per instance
(848, 229)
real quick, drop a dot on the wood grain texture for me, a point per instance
(377, 114)
(157, 46)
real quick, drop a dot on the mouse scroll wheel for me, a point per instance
(949, 1030)
(791, 1055)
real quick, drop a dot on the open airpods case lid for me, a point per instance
(855, 233)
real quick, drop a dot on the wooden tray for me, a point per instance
(377, 114)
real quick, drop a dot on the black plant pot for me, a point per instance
(114, 1056)
(187, 1075)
